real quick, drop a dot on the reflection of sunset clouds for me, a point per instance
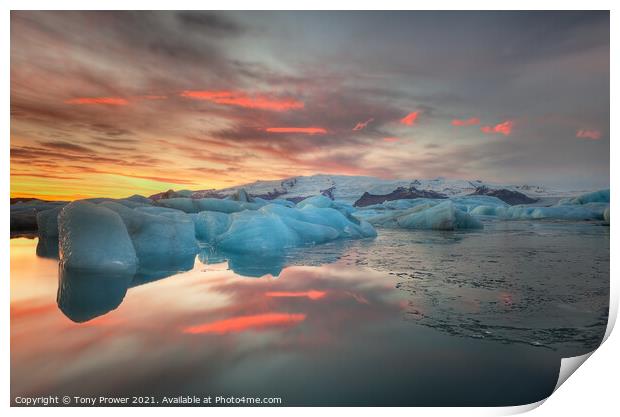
(240, 324)
(304, 308)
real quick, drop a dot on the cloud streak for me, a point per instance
(241, 99)
(410, 119)
(504, 128)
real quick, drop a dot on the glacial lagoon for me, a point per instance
(411, 317)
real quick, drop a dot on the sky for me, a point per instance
(118, 103)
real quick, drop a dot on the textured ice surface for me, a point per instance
(443, 216)
(428, 215)
(166, 236)
(601, 196)
(189, 205)
(590, 206)
(276, 227)
(47, 222)
(257, 232)
(210, 224)
(319, 201)
(606, 215)
(94, 237)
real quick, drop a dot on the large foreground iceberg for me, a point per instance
(92, 237)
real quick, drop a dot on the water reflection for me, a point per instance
(84, 295)
(408, 319)
(334, 327)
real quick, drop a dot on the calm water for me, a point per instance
(409, 318)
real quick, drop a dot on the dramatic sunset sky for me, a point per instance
(117, 103)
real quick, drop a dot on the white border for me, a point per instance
(592, 391)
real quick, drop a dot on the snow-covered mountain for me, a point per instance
(351, 188)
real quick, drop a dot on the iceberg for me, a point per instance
(257, 232)
(601, 196)
(189, 205)
(210, 224)
(276, 227)
(165, 237)
(92, 237)
(47, 222)
(319, 201)
(428, 216)
(444, 216)
(606, 215)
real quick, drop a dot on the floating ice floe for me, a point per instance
(430, 215)
(463, 212)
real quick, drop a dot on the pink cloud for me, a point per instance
(304, 130)
(592, 134)
(362, 125)
(391, 139)
(242, 99)
(504, 128)
(410, 119)
(466, 122)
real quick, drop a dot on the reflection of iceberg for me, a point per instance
(153, 268)
(257, 266)
(47, 248)
(273, 262)
(84, 295)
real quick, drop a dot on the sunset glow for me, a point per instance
(210, 100)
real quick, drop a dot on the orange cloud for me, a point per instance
(110, 101)
(466, 122)
(589, 134)
(504, 128)
(304, 130)
(390, 139)
(312, 294)
(362, 125)
(410, 119)
(241, 99)
(239, 324)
